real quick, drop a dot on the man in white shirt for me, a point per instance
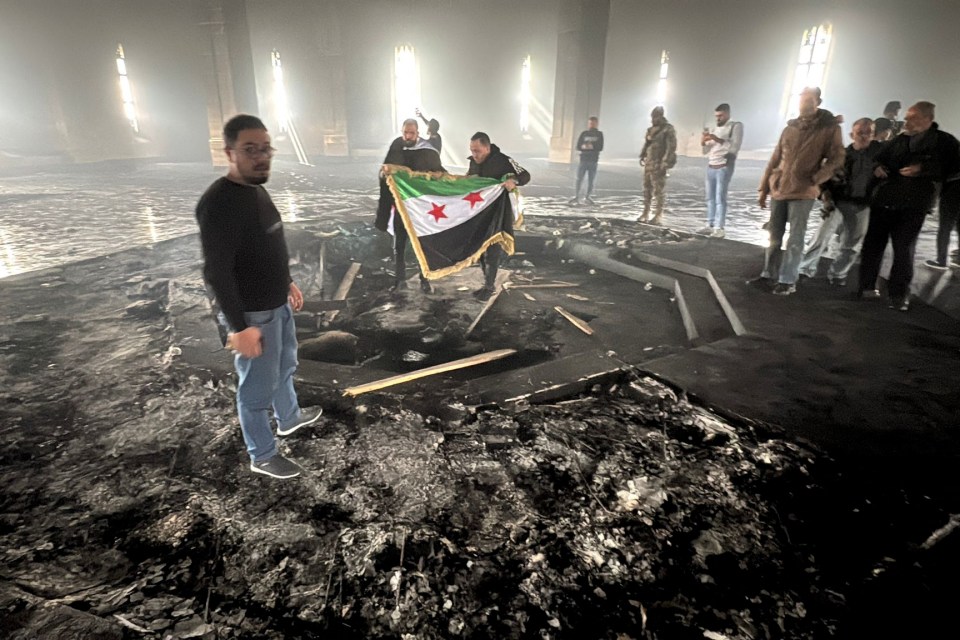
(721, 146)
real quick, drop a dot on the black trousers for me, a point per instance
(490, 263)
(400, 238)
(949, 219)
(901, 227)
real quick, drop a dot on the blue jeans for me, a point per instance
(590, 169)
(854, 219)
(785, 265)
(718, 183)
(266, 382)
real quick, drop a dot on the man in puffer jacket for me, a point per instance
(809, 152)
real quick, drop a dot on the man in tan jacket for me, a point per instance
(809, 152)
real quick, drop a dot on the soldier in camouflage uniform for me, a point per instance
(658, 155)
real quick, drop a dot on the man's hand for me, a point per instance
(912, 171)
(510, 184)
(709, 137)
(762, 201)
(880, 172)
(295, 297)
(643, 161)
(248, 343)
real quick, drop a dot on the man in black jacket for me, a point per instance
(487, 161)
(589, 144)
(909, 167)
(846, 205)
(433, 131)
(246, 268)
(414, 153)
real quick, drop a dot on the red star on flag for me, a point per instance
(473, 198)
(437, 211)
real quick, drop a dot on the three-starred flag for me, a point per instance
(452, 220)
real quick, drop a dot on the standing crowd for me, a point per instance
(875, 191)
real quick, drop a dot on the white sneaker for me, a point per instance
(718, 233)
(706, 231)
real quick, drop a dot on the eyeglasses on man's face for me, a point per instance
(253, 152)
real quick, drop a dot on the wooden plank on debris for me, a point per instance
(551, 285)
(472, 361)
(486, 307)
(575, 321)
(344, 288)
(322, 266)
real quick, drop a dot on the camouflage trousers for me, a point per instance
(654, 184)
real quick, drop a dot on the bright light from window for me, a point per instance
(126, 93)
(525, 95)
(812, 61)
(8, 262)
(280, 104)
(662, 83)
(282, 107)
(406, 84)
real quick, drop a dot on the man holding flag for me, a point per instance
(414, 153)
(454, 220)
(487, 161)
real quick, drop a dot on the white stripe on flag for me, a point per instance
(432, 214)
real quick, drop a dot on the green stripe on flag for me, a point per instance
(416, 186)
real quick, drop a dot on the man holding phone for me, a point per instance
(721, 146)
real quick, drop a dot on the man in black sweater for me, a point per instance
(414, 153)
(246, 269)
(909, 167)
(487, 161)
(589, 144)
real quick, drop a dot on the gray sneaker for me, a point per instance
(305, 418)
(276, 467)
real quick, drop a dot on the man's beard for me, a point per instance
(255, 180)
(409, 144)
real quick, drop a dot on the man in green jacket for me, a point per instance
(658, 155)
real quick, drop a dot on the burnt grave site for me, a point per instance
(556, 492)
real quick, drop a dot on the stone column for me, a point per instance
(329, 121)
(227, 64)
(581, 47)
